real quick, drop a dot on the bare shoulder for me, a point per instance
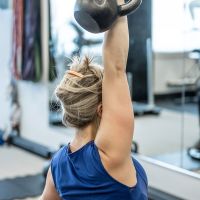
(124, 172)
(49, 192)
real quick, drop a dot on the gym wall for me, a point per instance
(173, 66)
(172, 39)
(5, 52)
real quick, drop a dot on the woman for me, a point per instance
(97, 164)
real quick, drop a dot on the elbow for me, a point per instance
(120, 68)
(121, 62)
(116, 61)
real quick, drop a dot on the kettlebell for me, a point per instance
(97, 16)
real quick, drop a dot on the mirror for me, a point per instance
(176, 47)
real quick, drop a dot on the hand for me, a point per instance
(120, 2)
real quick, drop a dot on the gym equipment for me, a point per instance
(155, 194)
(97, 16)
(134, 147)
(80, 41)
(194, 152)
(148, 108)
(192, 6)
(25, 144)
(27, 28)
(141, 65)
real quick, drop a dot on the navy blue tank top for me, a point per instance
(81, 175)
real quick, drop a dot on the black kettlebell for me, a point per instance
(97, 16)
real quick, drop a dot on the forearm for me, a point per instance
(116, 44)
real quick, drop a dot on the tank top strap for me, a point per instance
(56, 164)
(140, 170)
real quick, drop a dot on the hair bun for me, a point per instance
(80, 97)
(81, 65)
(87, 61)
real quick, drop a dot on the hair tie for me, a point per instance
(74, 73)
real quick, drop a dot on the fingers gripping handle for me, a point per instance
(129, 7)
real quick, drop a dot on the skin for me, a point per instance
(114, 136)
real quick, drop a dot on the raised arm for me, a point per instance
(115, 134)
(116, 46)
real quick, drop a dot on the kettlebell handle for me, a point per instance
(129, 7)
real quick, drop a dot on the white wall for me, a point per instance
(173, 29)
(5, 52)
(172, 36)
(169, 67)
(35, 116)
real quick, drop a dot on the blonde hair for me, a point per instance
(80, 97)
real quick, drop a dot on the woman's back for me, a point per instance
(81, 175)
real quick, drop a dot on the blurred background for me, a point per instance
(37, 40)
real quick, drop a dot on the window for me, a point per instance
(173, 27)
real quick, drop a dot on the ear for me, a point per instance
(99, 110)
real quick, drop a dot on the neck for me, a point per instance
(83, 136)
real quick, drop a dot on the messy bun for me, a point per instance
(80, 97)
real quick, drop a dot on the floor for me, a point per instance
(18, 162)
(156, 135)
(15, 162)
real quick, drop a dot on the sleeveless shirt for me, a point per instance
(81, 176)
